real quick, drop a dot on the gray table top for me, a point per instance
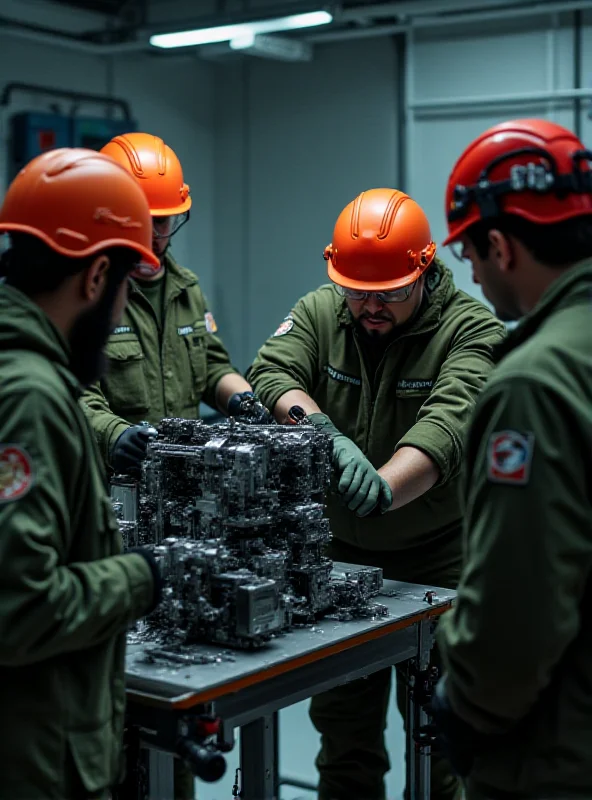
(209, 668)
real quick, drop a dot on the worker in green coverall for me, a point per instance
(67, 592)
(515, 705)
(164, 358)
(389, 361)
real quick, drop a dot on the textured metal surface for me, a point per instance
(215, 667)
(234, 514)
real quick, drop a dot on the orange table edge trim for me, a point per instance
(186, 701)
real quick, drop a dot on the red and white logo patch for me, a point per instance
(16, 472)
(285, 327)
(509, 457)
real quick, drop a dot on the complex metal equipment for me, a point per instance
(234, 514)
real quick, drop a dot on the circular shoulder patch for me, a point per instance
(285, 327)
(16, 472)
(510, 457)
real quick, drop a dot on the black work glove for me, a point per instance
(156, 576)
(458, 742)
(129, 450)
(247, 406)
(361, 487)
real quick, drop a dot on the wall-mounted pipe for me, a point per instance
(413, 8)
(479, 101)
(577, 69)
(552, 60)
(356, 33)
(400, 109)
(47, 37)
(538, 10)
(408, 115)
(420, 15)
(77, 97)
(436, 22)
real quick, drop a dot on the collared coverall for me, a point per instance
(420, 394)
(68, 593)
(518, 645)
(159, 365)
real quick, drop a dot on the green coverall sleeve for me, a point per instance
(288, 361)
(443, 419)
(218, 365)
(527, 561)
(50, 606)
(106, 425)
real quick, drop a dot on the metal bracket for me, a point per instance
(259, 759)
(419, 676)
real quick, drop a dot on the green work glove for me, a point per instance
(360, 485)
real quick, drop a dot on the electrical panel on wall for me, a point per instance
(94, 132)
(32, 133)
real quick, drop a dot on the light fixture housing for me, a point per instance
(280, 48)
(240, 30)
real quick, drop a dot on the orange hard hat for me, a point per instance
(381, 241)
(533, 168)
(156, 168)
(79, 203)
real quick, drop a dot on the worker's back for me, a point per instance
(547, 378)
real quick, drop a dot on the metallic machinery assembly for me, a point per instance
(234, 515)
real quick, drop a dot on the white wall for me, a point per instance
(499, 59)
(294, 144)
(171, 98)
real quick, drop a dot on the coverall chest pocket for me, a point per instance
(410, 400)
(341, 395)
(198, 362)
(125, 382)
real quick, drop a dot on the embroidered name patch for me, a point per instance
(16, 473)
(286, 326)
(341, 376)
(185, 331)
(509, 457)
(414, 385)
(122, 329)
(211, 326)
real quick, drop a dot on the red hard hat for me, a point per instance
(79, 203)
(532, 168)
(156, 169)
(381, 241)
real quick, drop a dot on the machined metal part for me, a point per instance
(234, 515)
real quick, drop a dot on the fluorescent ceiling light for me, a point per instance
(243, 42)
(224, 33)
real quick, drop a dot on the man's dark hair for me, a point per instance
(34, 268)
(556, 245)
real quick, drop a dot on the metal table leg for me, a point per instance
(418, 757)
(161, 772)
(259, 758)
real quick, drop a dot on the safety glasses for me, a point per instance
(458, 251)
(165, 227)
(394, 296)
